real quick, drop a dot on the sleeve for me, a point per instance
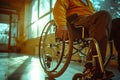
(90, 5)
(59, 12)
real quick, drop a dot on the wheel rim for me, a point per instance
(47, 49)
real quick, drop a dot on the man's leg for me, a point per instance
(100, 30)
(99, 25)
(115, 31)
(117, 46)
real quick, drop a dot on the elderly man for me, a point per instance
(98, 24)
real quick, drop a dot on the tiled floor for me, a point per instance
(23, 67)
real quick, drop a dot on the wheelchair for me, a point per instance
(55, 54)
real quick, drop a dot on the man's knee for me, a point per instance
(105, 13)
(102, 15)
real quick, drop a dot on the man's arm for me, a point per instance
(59, 12)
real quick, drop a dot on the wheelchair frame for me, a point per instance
(52, 51)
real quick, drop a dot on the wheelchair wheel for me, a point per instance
(52, 51)
(78, 76)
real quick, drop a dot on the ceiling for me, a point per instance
(11, 5)
(8, 7)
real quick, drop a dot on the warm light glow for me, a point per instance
(36, 72)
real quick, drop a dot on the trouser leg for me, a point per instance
(99, 25)
(117, 46)
(116, 37)
(100, 30)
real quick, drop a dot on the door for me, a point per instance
(8, 31)
(4, 31)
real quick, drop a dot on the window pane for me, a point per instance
(4, 32)
(112, 6)
(34, 11)
(14, 26)
(13, 33)
(4, 36)
(34, 30)
(41, 24)
(53, 3)
(44, 7)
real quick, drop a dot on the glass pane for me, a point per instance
(36, 29)
(13, 33)
(97, 4)
(44, 7)
(4, 36)
(112, 6)
(53, 3)
(34, 11)
(33, 31)
(41, 24)
(14, 26)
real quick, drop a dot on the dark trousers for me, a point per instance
(99, 26)
(115, 36)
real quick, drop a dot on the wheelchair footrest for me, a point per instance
(107, 76)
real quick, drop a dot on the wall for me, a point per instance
(30, 46)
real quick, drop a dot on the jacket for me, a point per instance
(65, 8)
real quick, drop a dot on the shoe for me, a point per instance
(106, 76)
(98, 75)
(108, 73)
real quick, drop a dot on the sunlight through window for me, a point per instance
(4, 30)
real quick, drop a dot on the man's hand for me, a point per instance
(61, 33)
